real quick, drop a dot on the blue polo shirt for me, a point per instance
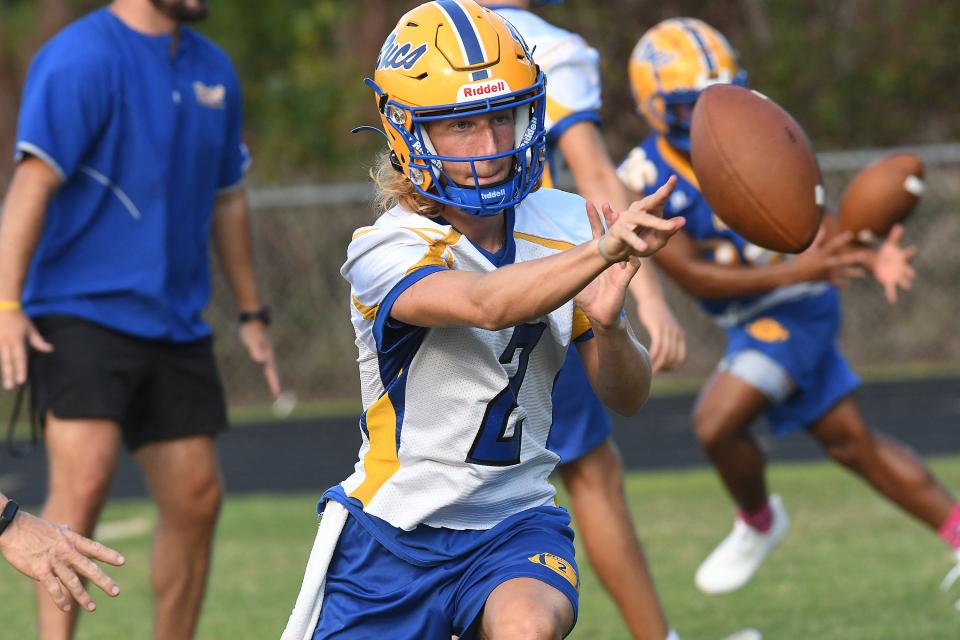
(144, 140)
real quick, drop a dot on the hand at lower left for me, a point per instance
(59, 559)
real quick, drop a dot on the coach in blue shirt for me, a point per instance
(130, 157)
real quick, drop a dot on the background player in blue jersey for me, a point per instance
(467, 292)
(590, 464)
(129, 156)
(781, 316)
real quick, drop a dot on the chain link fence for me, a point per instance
(302, 233)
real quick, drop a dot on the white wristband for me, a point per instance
(604, 254)
(673, 635)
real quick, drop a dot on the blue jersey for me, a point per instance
(790, 331)
(144, 137)
(647, 168)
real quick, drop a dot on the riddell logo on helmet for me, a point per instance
(482, 90)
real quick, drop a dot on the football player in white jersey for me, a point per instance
(467, 292)
(590, 464)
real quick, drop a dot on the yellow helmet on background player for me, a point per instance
(454, 59)
(671, 64)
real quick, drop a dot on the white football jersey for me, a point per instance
(571, 65)
(456, 419)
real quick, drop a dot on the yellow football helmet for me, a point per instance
(450, 59)
(671, 64)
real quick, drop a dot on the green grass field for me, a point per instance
(852, 568)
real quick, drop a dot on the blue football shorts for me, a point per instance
(789, 353)
(432, 583)
(580, 421)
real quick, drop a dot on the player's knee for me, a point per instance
(709, 426)
(851, 448)
(209, 500)
(198, 505)
(83, 494)
(525, 623)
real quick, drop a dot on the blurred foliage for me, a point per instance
(853, 72)
(302, 73)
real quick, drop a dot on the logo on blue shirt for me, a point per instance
(212, 97)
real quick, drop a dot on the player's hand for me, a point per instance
(16, 332)
(668, 342)
(640, 231)
(58, 558)
(602, 299)
(256, 339)
(891, 265)
(835, 260)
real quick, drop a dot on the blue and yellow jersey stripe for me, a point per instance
(382, 422)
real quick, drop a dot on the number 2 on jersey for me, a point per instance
(492, 447)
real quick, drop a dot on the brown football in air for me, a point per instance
(756, 168)
(881, 195)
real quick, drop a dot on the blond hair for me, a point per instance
(392, 188)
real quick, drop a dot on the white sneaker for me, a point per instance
(953, 575)
(743, 634)
(735, 560)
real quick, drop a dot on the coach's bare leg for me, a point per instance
(726, 407)
(595, 485)
(890, 468)
(185, 480)
(81, 456)
(526, 608)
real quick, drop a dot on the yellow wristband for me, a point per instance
(10, 305)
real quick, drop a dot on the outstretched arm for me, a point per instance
(521, 292)
(617, 365)
(831, 260)
(596, 177)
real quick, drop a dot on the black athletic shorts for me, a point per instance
(156, 390)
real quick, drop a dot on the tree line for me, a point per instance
(853, 72)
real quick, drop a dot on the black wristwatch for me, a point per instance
(262, 315)
(8, 514)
